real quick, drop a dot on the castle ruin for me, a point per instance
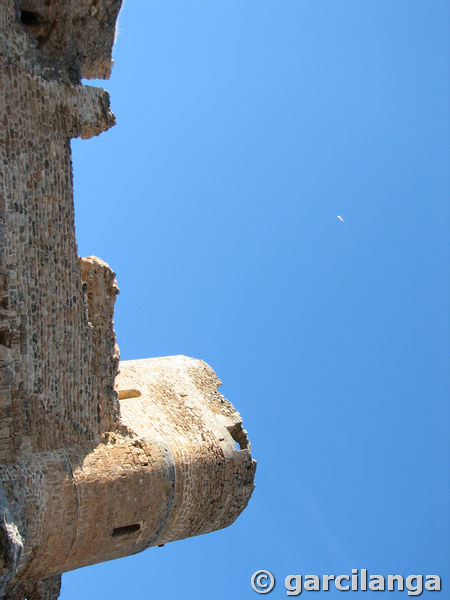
(98, 458)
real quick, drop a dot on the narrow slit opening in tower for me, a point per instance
(125, 394)
(127, 529)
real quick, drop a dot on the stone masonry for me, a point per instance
(98, 459)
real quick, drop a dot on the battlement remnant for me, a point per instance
(98, 459)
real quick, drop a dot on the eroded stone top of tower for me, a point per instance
(72, 36)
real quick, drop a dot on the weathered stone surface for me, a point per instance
(73, 36)
(94, 464)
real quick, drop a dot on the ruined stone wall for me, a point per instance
(46, 337)
(93, 465)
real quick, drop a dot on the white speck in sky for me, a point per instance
(340, 218)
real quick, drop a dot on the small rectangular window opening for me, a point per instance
(127, 529)
(125, 394)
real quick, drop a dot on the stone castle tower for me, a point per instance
(98, 459)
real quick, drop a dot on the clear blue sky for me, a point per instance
(244, 129)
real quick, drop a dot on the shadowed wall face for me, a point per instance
(50, 351)
(49, 396)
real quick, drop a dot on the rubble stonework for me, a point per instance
(98, 459)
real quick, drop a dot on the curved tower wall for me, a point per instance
(179, 466)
